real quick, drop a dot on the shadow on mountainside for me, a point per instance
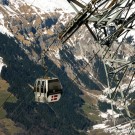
(38, 118)
(79, 67)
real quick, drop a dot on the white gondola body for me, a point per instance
(47, 90)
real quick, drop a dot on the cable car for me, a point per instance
(47, 90)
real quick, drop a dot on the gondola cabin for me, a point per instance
(47, 90)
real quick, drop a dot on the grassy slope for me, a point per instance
(7, 126)
(91, 110)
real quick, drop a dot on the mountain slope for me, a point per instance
(20, 72)
(23, 67)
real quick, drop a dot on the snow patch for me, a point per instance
(3, 29)
(103, 115)
(121, 129)
(1, 64)
(109, 113)
(104, 98)
(81, 58)
(57, 55)
(86, 59)
(78, 57)
(100, 126)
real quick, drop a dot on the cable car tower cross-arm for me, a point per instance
(82, 17)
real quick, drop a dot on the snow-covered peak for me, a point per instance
(51, 5)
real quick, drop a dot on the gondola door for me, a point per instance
(40, 90)
(54, 90)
